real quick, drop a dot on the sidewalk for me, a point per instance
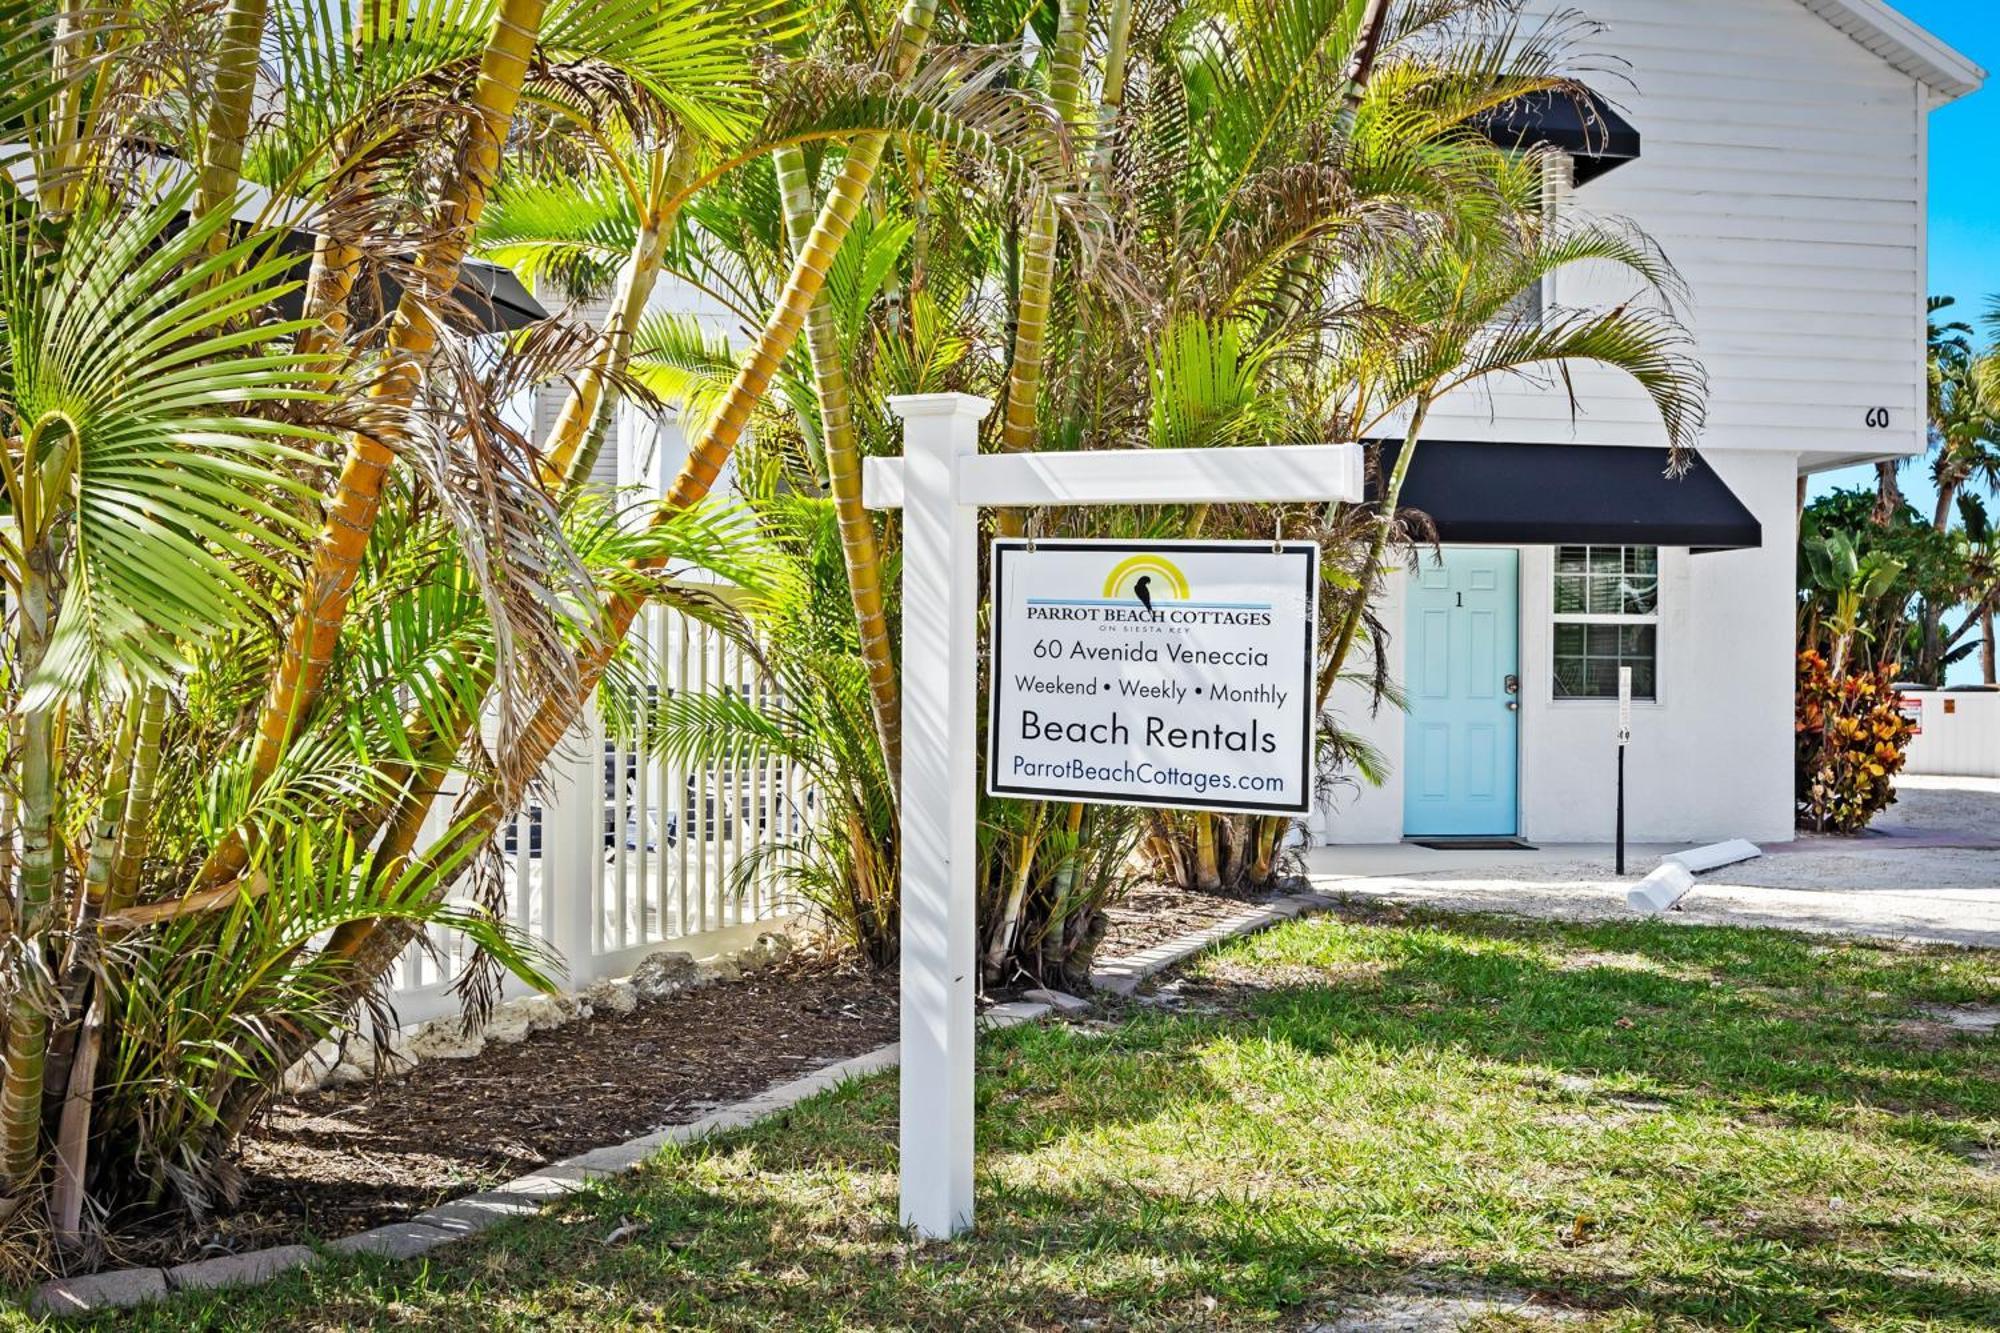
(1931, 872)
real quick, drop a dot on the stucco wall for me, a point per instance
(1710, 759)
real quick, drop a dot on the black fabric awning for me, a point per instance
(1587, 128)
(1553, 494)
(488, 298)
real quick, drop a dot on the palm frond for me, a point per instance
(142, 357)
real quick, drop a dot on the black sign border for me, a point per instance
(1004, 546)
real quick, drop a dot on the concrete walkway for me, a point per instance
(1930, 871)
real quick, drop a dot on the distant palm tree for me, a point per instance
(1948, 342)
(1964, 427)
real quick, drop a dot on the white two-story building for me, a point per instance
(1777, 151)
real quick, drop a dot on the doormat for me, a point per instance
(1475, 844)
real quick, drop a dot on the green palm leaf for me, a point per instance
(155, 413)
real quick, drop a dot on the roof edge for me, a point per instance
(1907, 45)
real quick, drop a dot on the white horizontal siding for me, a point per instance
(1782, 176)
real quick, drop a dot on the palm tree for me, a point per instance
(185, 841)
(704, 79)
(815, 255)
(1964, 425)
(174, 499)
(839, 442)
(1460, 297)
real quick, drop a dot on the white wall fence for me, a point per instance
(628, 852)
(1961, 735)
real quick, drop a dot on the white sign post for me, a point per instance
(940, 483)
(1154, 673)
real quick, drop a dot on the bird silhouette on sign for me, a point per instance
(1144, 589)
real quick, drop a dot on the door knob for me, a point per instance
(1513, 684)
(1513, 705)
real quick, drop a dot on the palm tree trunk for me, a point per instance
(136, 835)
(41, 884)
(116, 857)
(1020, 415)
(1001, 943)
(329, 282)
(1038, 246)
(858, 547)
(229, 114)
(73, 1130)
(1371, 570)
(1361, 64)
(1265, 833)
(1889, 492)
(76, 968)
(112, 810)
(1207, 868)
(357, 498)
(1111, 97)
(1989, 659)
(836, 218)
(335, 263)
(588, 400)
(1947, 491)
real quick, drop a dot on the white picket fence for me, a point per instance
(628, 852)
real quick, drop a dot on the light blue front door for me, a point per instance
(1463, 656)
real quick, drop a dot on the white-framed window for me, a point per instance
(1558, 180)
(1607, 616)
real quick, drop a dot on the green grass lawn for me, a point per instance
(1642, 1126)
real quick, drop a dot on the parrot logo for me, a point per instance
(1150, 580)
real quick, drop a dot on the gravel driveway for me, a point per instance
(1929, 871)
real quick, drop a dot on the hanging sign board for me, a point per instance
(1155, 673)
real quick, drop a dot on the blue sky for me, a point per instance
(1965, 201)
(1965, 140)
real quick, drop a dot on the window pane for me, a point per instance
(1572, 559)
(1570, 596)
(1607, 594)
(1607, 559)
(1639, 596)
(1587, 659)
(1642, 560)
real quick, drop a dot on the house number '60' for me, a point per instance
(1878, 418)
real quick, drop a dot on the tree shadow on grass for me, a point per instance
(1731, 1031)
(790, 1224)
(735, 1235)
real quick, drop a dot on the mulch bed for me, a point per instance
(328, 1163)
(1155, 913)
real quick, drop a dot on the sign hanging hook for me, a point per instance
(1278, 534)
(1034, 527)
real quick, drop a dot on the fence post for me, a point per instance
(939, 837)
(572, 845)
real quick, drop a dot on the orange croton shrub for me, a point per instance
(1852, 739)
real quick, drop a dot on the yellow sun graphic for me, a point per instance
(1168, 581)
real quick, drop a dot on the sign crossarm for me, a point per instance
(1251, 475)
